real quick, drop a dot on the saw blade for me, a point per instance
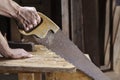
(62, 46)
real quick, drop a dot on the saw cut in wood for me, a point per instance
(42, 29)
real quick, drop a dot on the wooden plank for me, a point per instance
(43, 60)
(65, 17)
(107, 35)
(91, 30)
(37, 76)
(107, 44)
(116, 52)
(25, 76)
(76, 22)
(116, 19)
(115, 36)
(116, 39)
(67, 76)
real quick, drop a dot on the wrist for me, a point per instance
(6, 52)
(15, 9)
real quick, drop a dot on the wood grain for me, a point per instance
(43, 61)
(26, 76)
(29, 76)
(65, 17)
(67, 76)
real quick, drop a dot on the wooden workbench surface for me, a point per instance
(43, 60)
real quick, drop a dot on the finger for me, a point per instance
(36, 15)
(30, 26)
(34, 9)
(30, 55)
(22, 55)
(25, 25)
(38, 18)
(32, 19)
(26, 55)
(35, 23)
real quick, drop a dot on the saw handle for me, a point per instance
(43, 28)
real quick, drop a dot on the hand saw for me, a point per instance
(49, 35)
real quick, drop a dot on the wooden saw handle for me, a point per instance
(42, 29)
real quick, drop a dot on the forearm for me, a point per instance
(7, 52)
(4, 48)
(8, 8)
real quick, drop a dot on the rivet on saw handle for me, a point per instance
(42, 29)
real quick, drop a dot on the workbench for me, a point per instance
(43, 61)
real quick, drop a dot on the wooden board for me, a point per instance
(76, 23)
(67, 76)
(65, 17)
(43, 61)
(91, 30)
(29, 76)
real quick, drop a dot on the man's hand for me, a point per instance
(18, 53)
(28, 17)
(7, 52)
